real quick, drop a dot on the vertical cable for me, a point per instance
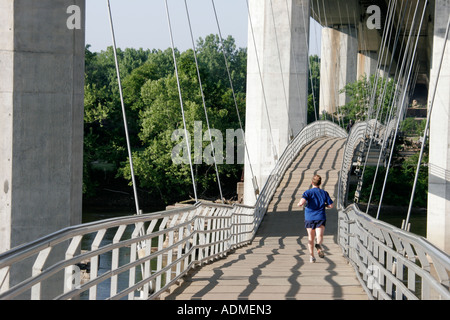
(203, 100)
(309, 62)
(290, 130)
(274, 150)
(254, 180)
(123, 109)
(427, 125)
(181, 102)
(379, 105)
(405, 88)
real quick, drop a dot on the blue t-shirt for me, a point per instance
(317, 199)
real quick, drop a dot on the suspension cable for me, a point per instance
(430, 109)
(274, 150)
(316, 108)
(181, 102)
(254, 180)
(340, 75)
(326, 63)
(393, 101)
(386, 31)
(401, 75)
(203, 100)
(130, 157)
(405, 88)
(309, 63)
(379, 102)
(390, 113)
(362, 148)
(291, 133)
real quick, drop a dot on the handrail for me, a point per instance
(173, 242)
(309, 133)
(392, 263)
(389, 262)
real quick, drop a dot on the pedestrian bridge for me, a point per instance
(217, 251)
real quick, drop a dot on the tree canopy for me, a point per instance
(153, 113)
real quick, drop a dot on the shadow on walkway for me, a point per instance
(276, 265)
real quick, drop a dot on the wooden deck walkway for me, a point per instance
(276, 265)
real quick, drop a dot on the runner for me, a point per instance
(316, 201)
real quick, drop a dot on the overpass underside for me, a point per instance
(395, 40)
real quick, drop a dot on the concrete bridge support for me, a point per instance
(438, 219)
(367, 63)
(277, 84)
(41, 119)
(339, 63)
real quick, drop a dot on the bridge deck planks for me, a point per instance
(276, 265)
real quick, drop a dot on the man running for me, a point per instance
(316, 201)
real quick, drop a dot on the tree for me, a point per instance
(104, 137)
(367, 101)
(154, 113)
(313, 88)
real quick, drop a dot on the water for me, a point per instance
(391, 215)
(105, 261)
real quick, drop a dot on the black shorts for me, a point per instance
(313, 224)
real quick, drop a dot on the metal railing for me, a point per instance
(392, 263)
(359, 133)
(163, 245)
(141, 256)
(311, 132)
(389, 262)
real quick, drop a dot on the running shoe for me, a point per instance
(320, 251)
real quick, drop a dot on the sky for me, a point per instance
(143, 23)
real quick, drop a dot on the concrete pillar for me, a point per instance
(41, 119)
(277, 109)
(369, 43)
(367, 63)
(438, 220)
(338, 66)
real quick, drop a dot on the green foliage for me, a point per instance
(398, 186)
(154, 112)
(367, 101)
(413, 127)
(313, 88)
(399, 182)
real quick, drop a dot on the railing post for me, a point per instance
(37, 269)
(159, 262)
(71, 274)
(4, 272)
(170, 252)
(94, 262)
(115, 259)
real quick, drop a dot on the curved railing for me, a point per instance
(311, 132)
(360, 133)
(143, 255)
(146, 253)
(392, 263)
(389, 262)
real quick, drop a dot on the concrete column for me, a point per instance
(369, 43)
(438, 220)
(276, 109)
(338, 66)
(367, 63)
(41, 119)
